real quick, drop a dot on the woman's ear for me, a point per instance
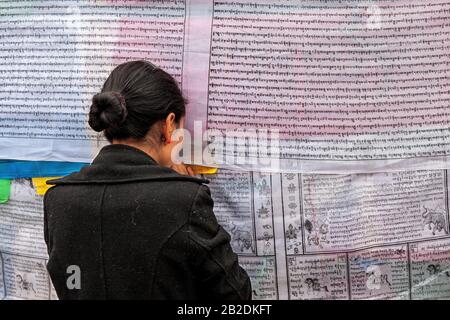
(169, 127)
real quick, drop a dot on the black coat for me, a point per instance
(138, 231)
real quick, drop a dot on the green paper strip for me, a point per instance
(5, 187)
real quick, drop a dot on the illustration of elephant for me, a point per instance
(435, 269)
(24, 285)
(435, 220)
(317, 236)
(313, 285)
(242, 238)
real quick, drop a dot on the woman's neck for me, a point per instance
(141, 145)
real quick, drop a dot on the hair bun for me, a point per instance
(108, 109)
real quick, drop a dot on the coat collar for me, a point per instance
(118, 163)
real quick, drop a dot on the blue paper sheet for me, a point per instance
(14, 169)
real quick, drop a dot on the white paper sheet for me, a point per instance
(23, 274)
(352, 86)
(357, 236)
(299, 236)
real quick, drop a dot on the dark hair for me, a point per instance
(136, 95)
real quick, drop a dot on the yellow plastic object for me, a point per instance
(41, 185)
(203, 170)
